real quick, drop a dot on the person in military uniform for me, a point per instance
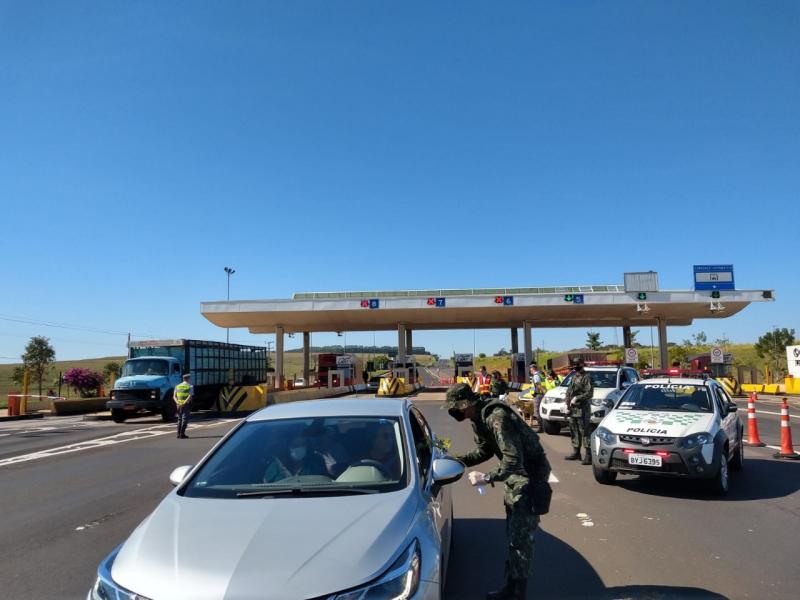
(498, 387)
(499, 431)
(579, 408)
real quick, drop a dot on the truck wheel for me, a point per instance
(168, 409)
(118, 415)
(606, 477)
(551, 427)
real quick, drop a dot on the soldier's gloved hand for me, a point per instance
(477, 478)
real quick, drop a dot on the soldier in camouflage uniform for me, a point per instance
(579, 408)
(501, 432)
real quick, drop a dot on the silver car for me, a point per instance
(331, 499)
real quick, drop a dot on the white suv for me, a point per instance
(609, 384)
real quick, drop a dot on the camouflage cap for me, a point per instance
(460, 396)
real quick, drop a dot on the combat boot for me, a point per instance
(587, 458)
(576, 455)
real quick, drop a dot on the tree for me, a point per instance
(634, 333)
(700, 338)
(482, 355)
(38, 358)
(111, 369)
(502, 352)
(722, 341)
(85, 381)
(772, 347)
(18, 374)
(593, 340)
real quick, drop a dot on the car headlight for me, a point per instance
(606, 436)
(104, 587)
(398, 583)
(597, 401)
(698, 439)
(153, 395)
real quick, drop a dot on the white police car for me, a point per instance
(678, 427)
(610, 382)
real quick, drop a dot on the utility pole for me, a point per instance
(269, 351)
(229, 272)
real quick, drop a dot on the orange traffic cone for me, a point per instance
(753, 439)
(787, 451)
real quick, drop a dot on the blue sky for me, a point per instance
(366, 145)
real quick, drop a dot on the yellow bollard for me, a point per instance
(23, 401)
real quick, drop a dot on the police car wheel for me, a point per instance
(720, 483)
(604, 476)
(737, 462)
(551, 427)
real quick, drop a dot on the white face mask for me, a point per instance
(298, 454)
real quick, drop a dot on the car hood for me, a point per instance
(265, 548)
(667, 424)
(139, 381)
(560, 393)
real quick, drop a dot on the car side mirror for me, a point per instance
(732, 408)
(446, 470)
(178, 475)
(625, 385)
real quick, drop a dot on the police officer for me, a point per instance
(579, 405)
(184, 394)
(501, 432)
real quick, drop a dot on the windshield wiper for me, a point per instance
(323, 491)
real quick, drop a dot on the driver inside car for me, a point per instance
(384, 450)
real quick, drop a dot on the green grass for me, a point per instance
(51, 379)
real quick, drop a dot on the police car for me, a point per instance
(678, 427)
(610, 382)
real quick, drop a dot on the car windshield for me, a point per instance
(144, 367)
(302, 457)
(600, 379)
(668, 397)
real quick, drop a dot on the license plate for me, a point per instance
(129, 407)
(644, 460)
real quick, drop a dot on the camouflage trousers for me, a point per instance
(580, 427)
(520, 528)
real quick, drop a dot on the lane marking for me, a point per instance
(118, 438)
(552, 478)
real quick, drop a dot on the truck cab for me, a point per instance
(145, 384)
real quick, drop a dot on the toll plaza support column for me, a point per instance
(401, 342)
(626, 336)
(279, 357)
(514, 341)
(663, 349)
(306, 353)
(528, 343)
(409, 341)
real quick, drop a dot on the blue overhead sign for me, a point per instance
(713, 277)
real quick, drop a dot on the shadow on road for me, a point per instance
(761, 479)
(560, 571)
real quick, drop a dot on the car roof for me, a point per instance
(602, 367)
(333, 407)
(683, 380)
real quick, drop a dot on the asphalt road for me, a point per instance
(63, 511)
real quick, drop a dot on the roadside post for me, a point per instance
(23, 401)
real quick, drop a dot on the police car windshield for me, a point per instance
(144, 367)
(600, 379)
(314, 456)
(667, 397)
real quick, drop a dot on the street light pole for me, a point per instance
(229, 272)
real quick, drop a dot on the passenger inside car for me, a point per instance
(300, 460)
(384, 450)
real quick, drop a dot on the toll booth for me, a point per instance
(465, 366)
(519, 371)
(405, 369)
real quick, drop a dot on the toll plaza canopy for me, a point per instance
(488, 308)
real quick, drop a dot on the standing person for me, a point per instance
(501, 432)
(537, 383)
(483, 385)
(498, 386)
(184, 394)
(579, 404)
